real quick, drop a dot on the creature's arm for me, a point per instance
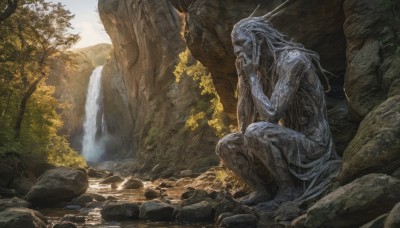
(245, 106)
(290, 73)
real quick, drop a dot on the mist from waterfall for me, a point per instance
(94, 127)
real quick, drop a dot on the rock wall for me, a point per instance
(146, 39)
(316, 24)
(117, 114)
(372, 85)
(70, 82)
(358, 41)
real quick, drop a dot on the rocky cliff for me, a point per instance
(359, 42)
(146, 39)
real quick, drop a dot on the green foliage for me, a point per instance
(210, 112)
(29, 40)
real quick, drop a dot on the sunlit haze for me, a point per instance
(86, 22)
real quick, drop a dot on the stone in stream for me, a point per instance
(120, 211)
(94, 173)
(132, 183)
(112, 180)
(393, 218)
(22, 217)
(151, 193)
(195, 196)
(198, 212)
(365, 198)
(376, 223)
(57, 185)
(156, 211)
(82, 200)
(240, 221)
(13, 202)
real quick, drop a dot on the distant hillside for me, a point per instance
(98, 53)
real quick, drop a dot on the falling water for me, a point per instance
(92, 147)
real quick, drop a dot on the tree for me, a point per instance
(37, 31)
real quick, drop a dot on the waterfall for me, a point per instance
(93, 126)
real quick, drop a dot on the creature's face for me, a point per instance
(242, 45)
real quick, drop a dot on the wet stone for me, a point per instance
(120, 211)
(240, 221)
(112, 180)
(151, 193)
(156, 211)
(199, 212)
(132, 183)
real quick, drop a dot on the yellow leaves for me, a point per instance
(192, 122)
(213, 112)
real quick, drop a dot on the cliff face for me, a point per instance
(316, 24)
(146, 40)
(358, 41)
(70, 82)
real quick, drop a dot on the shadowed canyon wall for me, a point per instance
(358, 41)
(146, 39)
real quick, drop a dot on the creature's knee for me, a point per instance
(228, 144)
(259, 129)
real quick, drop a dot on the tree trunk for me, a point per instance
(22, 106)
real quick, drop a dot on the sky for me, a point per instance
(86, 22)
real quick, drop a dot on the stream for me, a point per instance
(93, 217)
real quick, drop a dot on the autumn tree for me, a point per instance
(30, 40)
(35, 33)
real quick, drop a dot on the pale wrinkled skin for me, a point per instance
(278, 83)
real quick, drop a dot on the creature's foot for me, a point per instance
(255, 198)
(268, 206)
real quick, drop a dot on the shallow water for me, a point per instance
(93, 216)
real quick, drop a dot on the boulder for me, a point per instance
(167, 184)
(355, 203)
(376, 223)
(299, 222)
(112, 180)
(373, 61)
(57, 185)
(82, 200)
(393, 218)
(13, 202)
(195, 196)
(22, 217)
(222, 206)
(150, 193)
(156, 211)
(375, 148)
(132, 183)
(240, 221)
(198, 212)
(120, 211)
(94, 173)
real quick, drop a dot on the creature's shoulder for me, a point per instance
(294, 58)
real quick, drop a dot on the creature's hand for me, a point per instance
(246, 68)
